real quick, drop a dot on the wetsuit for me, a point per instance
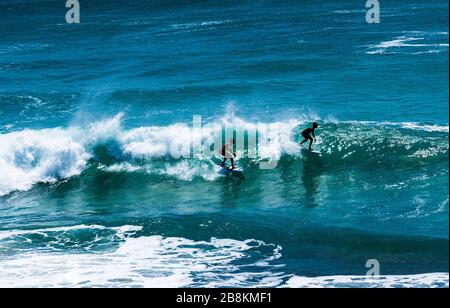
(307, 134)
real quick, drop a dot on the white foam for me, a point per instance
(122, 167)
(431, 280)
(149, 261)
(432, 51)
(156, 261)
(99, 132)
(429, 128)
(148, 142)
(176, 140)
(187, 171)
(407, 125)
(399, 42)
(408, 42)
(200, 24)
(275, 139)
(121, 230)
(29, 157)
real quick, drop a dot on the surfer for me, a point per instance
(307, 134)
(227, 152)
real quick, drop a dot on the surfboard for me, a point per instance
(311, 152)
(227, 170)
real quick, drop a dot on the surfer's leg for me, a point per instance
(306, 137)
(310, 143)
(223, 162)
(232, 163)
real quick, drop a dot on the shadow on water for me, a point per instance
(290, 170)
(313, 167)
(232, 185)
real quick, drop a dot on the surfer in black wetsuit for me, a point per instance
(307, 134)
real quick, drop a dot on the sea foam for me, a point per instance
(28, 157)
(168, 262)
(157, 261)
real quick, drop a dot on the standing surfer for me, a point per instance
(307, 134)
(227, 152)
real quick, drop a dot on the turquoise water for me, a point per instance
(90, 114)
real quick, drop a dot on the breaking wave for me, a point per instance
(44, 156)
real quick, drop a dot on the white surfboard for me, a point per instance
(228, 170)
(311, 152)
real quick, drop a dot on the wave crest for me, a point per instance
(33, 156)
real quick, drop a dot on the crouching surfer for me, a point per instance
(307, 134)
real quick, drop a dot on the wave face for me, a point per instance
(361, 164)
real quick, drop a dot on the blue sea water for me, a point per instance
(90, 194)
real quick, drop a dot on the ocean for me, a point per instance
(102, 184)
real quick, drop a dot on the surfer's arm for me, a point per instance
(229, 149)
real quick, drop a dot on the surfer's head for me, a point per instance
(315, 125)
